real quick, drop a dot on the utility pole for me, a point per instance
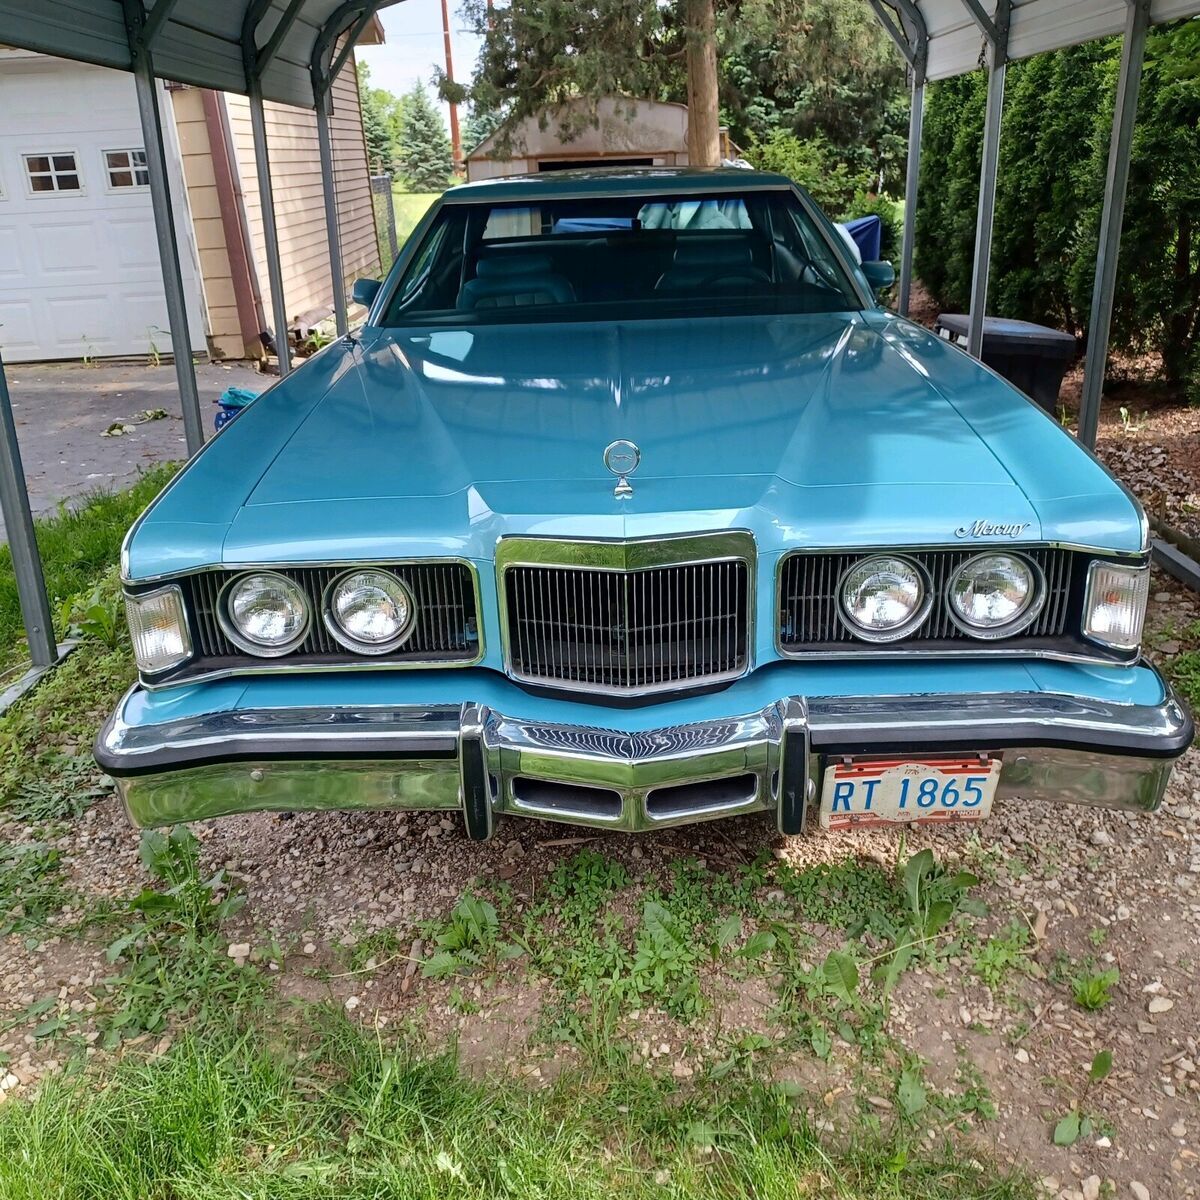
(455, 135)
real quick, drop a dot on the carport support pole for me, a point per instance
(266, 196)
(164, 223)
(22, 541)
(1133, 53)
(916, 120)
(331, 217)
(987, 204)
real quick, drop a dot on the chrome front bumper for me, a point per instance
(476, 760)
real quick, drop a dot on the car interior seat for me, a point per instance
(515, 281)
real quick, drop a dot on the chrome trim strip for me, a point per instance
(627, 555)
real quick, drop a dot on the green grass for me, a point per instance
(338, 1112)
(78, 546)
(410, 208)
(1184, 671)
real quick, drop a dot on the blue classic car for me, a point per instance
(629, 507)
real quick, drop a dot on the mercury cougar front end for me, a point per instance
(629, 507)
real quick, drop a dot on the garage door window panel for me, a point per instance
(126, 169)
(51, 173)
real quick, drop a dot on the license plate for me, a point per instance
(859, 794)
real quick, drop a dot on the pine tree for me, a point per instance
(425, 156)
(381, 123)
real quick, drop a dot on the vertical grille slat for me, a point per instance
(807, 600)
(446, 627)
(625, 631)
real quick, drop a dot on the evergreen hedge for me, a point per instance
(1053, 160)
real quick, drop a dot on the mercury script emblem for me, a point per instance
(622, 459)
(988, 529)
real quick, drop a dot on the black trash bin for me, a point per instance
(1032, 357)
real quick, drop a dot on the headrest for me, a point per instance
(501, 266)
(713, 252)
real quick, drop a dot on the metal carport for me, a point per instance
(288, 51)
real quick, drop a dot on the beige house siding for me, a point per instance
(299, 206)
(224, 332)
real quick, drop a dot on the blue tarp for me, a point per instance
(867, 233)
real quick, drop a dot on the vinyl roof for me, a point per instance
(199, 42)
(956, 44)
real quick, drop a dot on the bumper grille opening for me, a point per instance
(570, 799)
(684, 799)
(627, 631)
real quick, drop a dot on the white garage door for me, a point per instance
(79, 268)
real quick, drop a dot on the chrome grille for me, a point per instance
(808, 600)
(628, 630)
(446, 628)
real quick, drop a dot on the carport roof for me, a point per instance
(1035, 25)
(204, 43)
(200, 42)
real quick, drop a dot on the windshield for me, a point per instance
(624, 257)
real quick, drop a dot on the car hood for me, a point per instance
(818, 430)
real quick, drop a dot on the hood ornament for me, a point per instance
(622, 459)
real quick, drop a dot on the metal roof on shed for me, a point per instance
(199, 42)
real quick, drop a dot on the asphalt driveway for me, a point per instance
(62, 410)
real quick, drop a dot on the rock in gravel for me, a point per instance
(1090, 1188)
(1100, 837)
(239, 952)
(1140, 1190)
(1159, 1004)
(1179, 1130)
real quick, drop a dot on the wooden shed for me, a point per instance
(614, 132)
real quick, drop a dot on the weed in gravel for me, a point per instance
(467, 940)
(1184, 672)
(31, 889)
(171, 954)
(1092, 990)
(1078, 1123)
(1002, 955)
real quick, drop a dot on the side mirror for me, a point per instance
(365, 291)
(880, 275)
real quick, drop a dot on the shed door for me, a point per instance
(79, 268)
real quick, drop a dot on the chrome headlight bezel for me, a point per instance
(915, 619)
(1029, 613)
(1138, 575)
(348, 640)
(242, 640)
(168, 597)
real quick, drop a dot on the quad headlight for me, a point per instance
(995, 595)
(884, 598)
(1115, 608)
(265, 613)
(158, 629)
(370, 612)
